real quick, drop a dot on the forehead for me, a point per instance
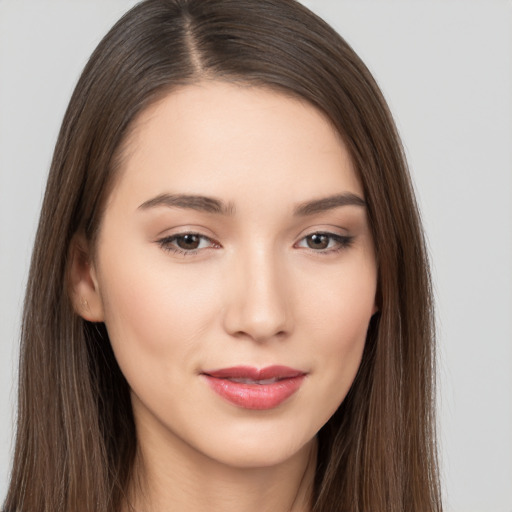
(219, 138)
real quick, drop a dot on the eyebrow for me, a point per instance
(212, 205)
(328, 203)
(192, 202)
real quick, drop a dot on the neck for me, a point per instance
(167, 478)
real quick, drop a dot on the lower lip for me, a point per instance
(255, 396)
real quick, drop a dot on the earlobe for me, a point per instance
(83, 283)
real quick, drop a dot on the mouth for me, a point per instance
(256, 389)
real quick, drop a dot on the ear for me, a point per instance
(83, 283)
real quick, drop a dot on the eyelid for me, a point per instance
(185, 229)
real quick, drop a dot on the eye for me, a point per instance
(186, 243)
(325, 242)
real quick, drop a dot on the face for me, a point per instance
(235, 273)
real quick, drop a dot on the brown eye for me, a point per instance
(318, 241)
(188, 242)
(325, 243)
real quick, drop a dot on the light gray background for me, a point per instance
(446, 69)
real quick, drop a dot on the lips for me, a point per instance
(252, 388)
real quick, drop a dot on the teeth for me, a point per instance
(257, 382)
(268, 381)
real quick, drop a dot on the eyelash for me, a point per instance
(167, 243)
(343, 242)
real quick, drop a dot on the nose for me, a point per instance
(258, 305)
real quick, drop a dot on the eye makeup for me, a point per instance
(190, 243)
(187, 243)
(325, 242)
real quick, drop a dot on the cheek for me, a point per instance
(341, 302)
(155, 315)
(338, 322)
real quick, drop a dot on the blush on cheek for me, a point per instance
(152, 313)
(342, 323)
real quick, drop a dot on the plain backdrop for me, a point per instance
(446, 70)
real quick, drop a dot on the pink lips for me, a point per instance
(251, 388)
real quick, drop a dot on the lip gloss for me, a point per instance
(255, 389)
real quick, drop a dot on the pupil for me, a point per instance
(318, 241)
(188, 242)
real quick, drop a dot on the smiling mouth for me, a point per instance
(255, 389)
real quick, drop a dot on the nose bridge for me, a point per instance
(258, 305)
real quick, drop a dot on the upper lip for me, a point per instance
(249, 372)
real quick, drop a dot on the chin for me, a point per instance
(261, 454)
(257, 441)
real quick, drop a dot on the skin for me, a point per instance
(256, 292)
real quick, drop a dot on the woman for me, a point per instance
(229, 303)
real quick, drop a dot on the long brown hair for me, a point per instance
(76, 441)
